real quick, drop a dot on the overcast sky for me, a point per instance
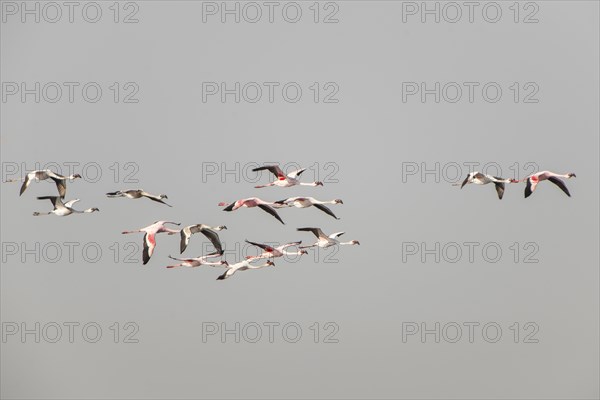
(364, 130)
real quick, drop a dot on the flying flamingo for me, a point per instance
(150, 237)
(62, 209)
(284, 180)
(533, 180)
(137, 194)
(324, 240)
(198, 261)
(208, 231)
(304, 202)
(243, 266)
(273, 252)
(483, 179)
(42, 175)
(254, 202)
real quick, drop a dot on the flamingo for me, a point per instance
(137, 194)
(284, 180)
(150, 236)
(198, 261)
(42, 175)
(533, 180)
(208, 231)
(254, 202)
(243, 266)
(483, 179)
(324, 240)
(273, 252)
(62, 209)
(304, 202)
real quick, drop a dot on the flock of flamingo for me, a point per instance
(269, 253)
(532, 181)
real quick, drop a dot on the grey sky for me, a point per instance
(369, 137)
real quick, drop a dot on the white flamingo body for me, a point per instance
(535, 179)
(255, 202)
(45, 174)
(138, 194)
(62, 209)
(274, 252)
(197, 261)
(242, 266)
(483, 179)
(284, 180)
(304, 202)
(150, 233)
(324, 241)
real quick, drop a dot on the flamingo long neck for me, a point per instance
(126, 232)
(351, 242)
(566, 176)
(89, 210)
(308, 184)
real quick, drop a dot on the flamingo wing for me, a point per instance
(531, 185)
(326, 210)
(274, 169)
(316, 231)
(265, 247)
(185, 235)
(465, 181)
(214, 239)
(25, 184)
(155, 198)
(336, 235)
(560, 184)
(229, 207)
(61, 185)
(56, 202)
(149, 245)
(296, 174)
(499, 189)
(70, 203)
(271, 211)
